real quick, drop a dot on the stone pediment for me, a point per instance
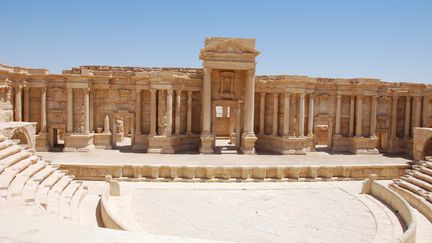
(228, 47)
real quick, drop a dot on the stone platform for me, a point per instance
(227, 167)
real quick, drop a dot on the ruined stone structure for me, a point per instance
(169, 110)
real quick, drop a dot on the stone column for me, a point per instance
(43, 127)
(206, 101)
(359, 116)
(26, 104)
(301, 114)
(407, 116)
(189, 113)
(177, 112)
(86, 111)
(394, 117)
(250, 102)
(286, 119)
(373, 117)
(69, 128)
(311, 115)
(169, 112)
(418, 111)
(237, 126)
(262, 113)
(18, 103)
(138, 112)
(91, 118)
(275, 114)
(351, 119)
(153, 117)
(338, 114)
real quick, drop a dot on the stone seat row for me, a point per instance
(28, 182)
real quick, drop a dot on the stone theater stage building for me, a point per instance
(171, 110)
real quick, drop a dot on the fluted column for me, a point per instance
(69, 128)
(359, 115)
(311, 115)
(407, 124)
(338, 114)
(43, 111)
(286, 119)
(177, 112)
(18, 103)
(351, 118)
(418, 111)
(86, 111)
(394, 117)
(301, 115)
(169, 112)
(153, 117)
(250, 101)
(26, 104)
(262, 113)
(189, 113)
(206, 101)
(138, 112)
(373, 117)
(275, 114)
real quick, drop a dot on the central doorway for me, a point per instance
(227, 126)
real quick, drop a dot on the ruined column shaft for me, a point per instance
(26, 104)
(407, 124)
(351, 118)
(189, 113)
(311, 115)
(373, 117)
(43, 127)
(69, 128)
(169, 112)
(275, 114)
(286, 119)
(138, 112)
(86, 111)
(301, 115)
(250, 101)
(206, 101)
(338, 114)
(394, 117)
(359, 116)
(153, 118)
(262, 113)
(177, 112)
(18, 103)
(418, 111)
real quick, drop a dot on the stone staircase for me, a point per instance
(417, 182)
(31, 184)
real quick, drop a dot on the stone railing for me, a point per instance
(396, 202)
(109, 218)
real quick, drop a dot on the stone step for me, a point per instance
(11, 160)
(76, 202)
(65, 202)
(54, 195)
(428, 158)
(9, 174)
(30, 188)
(4, 153)
(46, 185)
(6, 144)
(411, 187)
(427, 164)
(420, 183)
(2, 138)
(422, 176)
(423, 169)
(17, 185)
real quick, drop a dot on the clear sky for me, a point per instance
(386, 39)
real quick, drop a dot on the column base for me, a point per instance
(42, 144)
(78, 142)
(103, 140)
(207, 144)
(141, 143)
(248, 144)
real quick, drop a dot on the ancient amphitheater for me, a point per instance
(132, 154)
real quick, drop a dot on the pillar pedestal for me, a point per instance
(207, 144)
(248, 144)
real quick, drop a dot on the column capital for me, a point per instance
(262, 94)
(339, 96)
(189, 92)
(169, 91)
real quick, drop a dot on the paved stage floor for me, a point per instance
(262, 212)
(115, 157)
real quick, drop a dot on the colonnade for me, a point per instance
(22, 106)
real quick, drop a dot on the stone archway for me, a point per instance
(22, 135)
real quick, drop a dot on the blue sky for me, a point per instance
(390, 40)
